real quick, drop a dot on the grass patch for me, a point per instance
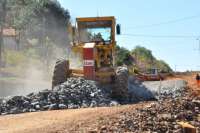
(8, 78)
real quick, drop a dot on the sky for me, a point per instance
(169, 28)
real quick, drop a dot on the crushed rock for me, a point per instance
(74, 93)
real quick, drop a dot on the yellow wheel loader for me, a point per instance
(94, 40)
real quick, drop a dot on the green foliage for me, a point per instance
(163, 66)
(145, 60)
(14, 58)
(42, 28)
(97, 36)
(143, 54)
(38, 19)
(139, 59)
(123, 56)
(18, 62)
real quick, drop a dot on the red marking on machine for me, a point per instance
(88, 57)
(88, 62)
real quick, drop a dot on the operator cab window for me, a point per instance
(98, 31)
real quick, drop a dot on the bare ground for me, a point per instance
(72, 121)
(191, 80)
(63, 121)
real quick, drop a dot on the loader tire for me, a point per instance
(61, 72)
(120, 89)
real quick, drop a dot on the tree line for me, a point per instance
(44, 25)
(43, 20)
(141, 59)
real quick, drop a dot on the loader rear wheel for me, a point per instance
(120, 89)
(61, 72)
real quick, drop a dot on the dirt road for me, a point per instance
(69, 121)
(60, 121)
(191, 80)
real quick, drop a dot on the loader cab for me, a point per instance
(94, 41)
(100, 30)
(94, 37)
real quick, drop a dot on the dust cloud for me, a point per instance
(32, 80)
(52, 43)
(36, 77)
(75, 60)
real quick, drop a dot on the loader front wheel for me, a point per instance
(120, 90)
(61, 72)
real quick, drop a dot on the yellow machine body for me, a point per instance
(104, 50)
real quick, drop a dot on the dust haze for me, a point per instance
(49, 40)
(36, 77)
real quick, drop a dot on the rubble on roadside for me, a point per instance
(159, 117)
(74, 93)
(172, 106)
(79, 93)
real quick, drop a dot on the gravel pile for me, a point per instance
(81, 93)
(74, 93)
(159, 117)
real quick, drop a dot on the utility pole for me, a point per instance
(175, 67)
(1, 43)
(1, 30)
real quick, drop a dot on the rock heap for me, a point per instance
(159, 117)
(74, 93)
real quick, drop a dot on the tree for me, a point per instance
(143, 54)
(3, 4)
(39, 19)
(165, 68)
(123, 56)
(145, 60)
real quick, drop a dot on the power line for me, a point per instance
(160, 36)
(165, 23)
